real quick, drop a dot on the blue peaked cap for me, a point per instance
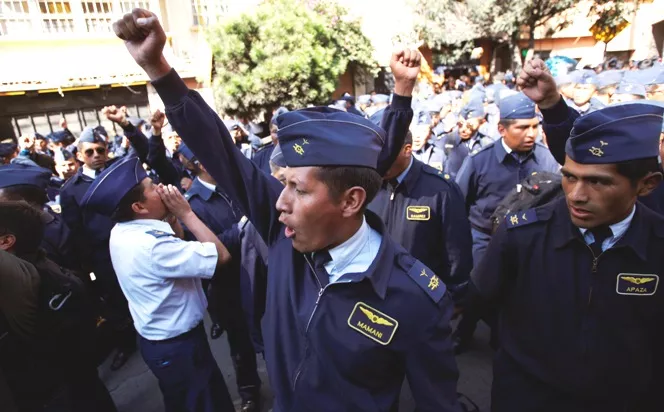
(517, 106)
(616, 134)
(15, 174)
(321, 136)
(108, 189)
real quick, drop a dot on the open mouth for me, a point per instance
(290, 233)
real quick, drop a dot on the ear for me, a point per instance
(80, 157)
(407, 150)
(649, 183)
(7, 242)
(138, 209)
(352, 201)
(501, 129)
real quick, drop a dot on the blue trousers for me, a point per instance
(188, 375)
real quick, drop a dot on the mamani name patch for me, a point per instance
(372, 323)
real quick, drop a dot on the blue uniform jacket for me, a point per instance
(57, 241)
(488, 176)
(459, 151)
(262, 158)
(91, 231)
(578, 332)
(321, 353)
(431, 155)
(557, 125)
(426, 214)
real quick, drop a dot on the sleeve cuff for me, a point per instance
(401, 102)
(129, 128)
(171, 88)
(209, 264)
(556, 114)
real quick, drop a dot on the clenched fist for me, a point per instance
(157, 122)
(536, 82)
(145, 40)
(405, 65)
(116, 114)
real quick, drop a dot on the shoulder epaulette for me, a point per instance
(158, 233)
(484, 149)
(428, 281)
(521, 218)
(438, 173)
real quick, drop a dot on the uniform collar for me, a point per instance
(502, 152)
(618, 229)
(411, 174)
(635, 237)
(405, 172)
(381, 268)
(344, 254)
(80, 175)
(198, 188)
(153, 224)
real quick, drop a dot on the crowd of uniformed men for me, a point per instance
(378, 218)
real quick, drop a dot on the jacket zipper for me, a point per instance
(592, 279)
(313, 312)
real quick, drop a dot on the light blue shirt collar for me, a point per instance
(356, 254)
(209, 186)
(508, 149)
(618, 230)
(403, 174)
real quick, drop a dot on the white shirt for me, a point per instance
(207, 185)
(91, 173)
(618, 230)
(160, 275)
(354, 255)
(508, 149)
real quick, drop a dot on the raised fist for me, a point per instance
(145, 40)
(116, 115)
(536, 82)
(405, 65)
(157, 121)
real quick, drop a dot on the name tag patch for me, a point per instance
(372, 323)
(637, 284)
(418, 213)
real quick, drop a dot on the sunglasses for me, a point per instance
(99, 150)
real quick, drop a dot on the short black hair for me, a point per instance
(34, 195)
(124, 212)
(23, 221)
(408, 139)
(341, 178)
(636, 169)
(506, 122)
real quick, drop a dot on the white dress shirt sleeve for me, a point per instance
(174, 258)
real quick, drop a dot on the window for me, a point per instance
(14, 18)
(98, 16)
(56, 16)
(206, 12)
(128, 6)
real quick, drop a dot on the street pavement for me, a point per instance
(135, 389)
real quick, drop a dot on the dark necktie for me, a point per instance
(321, 258)
(600, 233)
(97, 173)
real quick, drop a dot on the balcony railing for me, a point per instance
(39, 17)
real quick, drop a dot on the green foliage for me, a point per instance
(284, 52)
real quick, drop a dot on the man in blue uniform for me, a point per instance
(18, 182)
(467, 139)
(422, 148)
(576, 282)
(488, 176)
(90, 231)
(584, 100)
(424, 211)
(160, 274)
(559, 118)
(216, 210)
(262, 156)
(349, 313)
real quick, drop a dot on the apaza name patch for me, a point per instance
(637, 284)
